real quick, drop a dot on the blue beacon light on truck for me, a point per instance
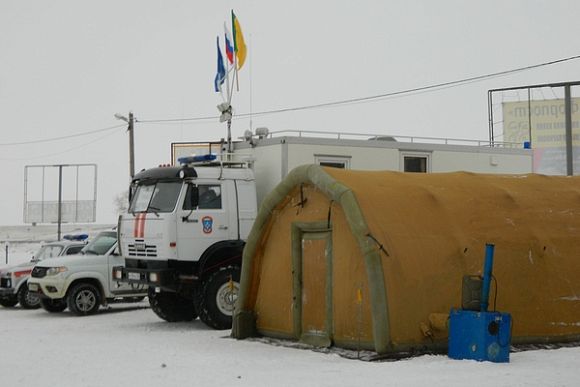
(196, 159)
(75, 237)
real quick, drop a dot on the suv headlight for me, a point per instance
(56, 270)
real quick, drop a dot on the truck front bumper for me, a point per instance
(158, 278)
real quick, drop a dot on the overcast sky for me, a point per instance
(67, 66)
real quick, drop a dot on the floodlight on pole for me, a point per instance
(130, 120)
(121, 117)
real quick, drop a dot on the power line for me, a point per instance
(63, 137)
(61, 152)
(395, 94)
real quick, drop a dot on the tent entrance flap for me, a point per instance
(312, 288)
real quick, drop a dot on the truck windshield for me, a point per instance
(156, 197)
(101, 244)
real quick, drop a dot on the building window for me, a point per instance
(342, 162)
(413, 162)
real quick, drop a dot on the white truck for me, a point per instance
(183, 237)
(186, 226)
(83, 282)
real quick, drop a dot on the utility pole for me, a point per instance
(59, 201)
(131, 146)
(130, 128)
(568, 115)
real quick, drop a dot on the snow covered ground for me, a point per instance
(127, 345)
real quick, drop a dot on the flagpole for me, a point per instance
(229, 98)
(251, 126)
(236, 72)
(229, 94)
(229, 122)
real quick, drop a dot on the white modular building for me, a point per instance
(274, 155)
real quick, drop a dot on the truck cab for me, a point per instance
(183, 237)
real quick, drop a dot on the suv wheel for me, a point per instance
(26, 299)
(83, 299)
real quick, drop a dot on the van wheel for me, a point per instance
(26, 299)
(83, 299)
(171, 307)
(56, 305)
(217, 300)
(8, 302)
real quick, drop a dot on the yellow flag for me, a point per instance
(239, 44)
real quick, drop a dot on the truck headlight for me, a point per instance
(56, 270)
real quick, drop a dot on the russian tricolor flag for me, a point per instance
(229, 47)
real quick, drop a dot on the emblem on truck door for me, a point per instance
(207, 222)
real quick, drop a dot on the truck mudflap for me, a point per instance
(158, 278)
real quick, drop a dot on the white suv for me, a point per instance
(83, 282)
(14, 279)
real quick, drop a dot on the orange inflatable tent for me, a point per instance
(375, 260)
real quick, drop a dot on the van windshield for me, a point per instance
(157, 197)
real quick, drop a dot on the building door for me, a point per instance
(313, 290)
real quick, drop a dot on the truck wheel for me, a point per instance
(217, 300)
(83, 299)
(26, 299)
(171, 307)
(56, 305)
(8, 302)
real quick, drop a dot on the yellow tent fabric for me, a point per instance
(373, 260)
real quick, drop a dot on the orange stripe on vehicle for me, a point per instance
(22, 273)
(141, 226)
(136, 226)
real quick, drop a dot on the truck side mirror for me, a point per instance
(132, 189)
(194, 197)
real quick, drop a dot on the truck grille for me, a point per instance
(39, 272)
(140, 249)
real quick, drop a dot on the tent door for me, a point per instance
(313, 297)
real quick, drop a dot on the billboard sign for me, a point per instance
(544, 124)
(70, 187)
